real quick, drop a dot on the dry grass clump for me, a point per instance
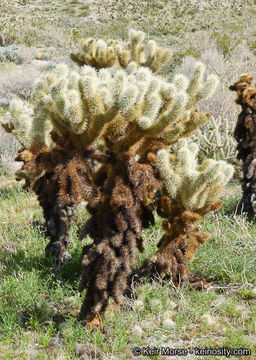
(8, 147)
(18, 80)
(241, 59)
(216, 137)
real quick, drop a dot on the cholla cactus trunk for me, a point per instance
(116, 226)
(245, 135)
(61, 180)
(178, 245)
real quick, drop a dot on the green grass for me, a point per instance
(39, 306)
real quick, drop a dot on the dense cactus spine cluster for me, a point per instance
(245, 135)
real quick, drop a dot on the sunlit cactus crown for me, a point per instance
(101, 54)
(188, 183)
(93, 104)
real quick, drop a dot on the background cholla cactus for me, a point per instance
(190, 191)
(215, 140)
(245, 135)
(100, 54)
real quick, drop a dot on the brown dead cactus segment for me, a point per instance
(61, 180)
(116, 228)
(177, 246)
(190, 191)
(245, 135)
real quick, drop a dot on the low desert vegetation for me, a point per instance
(119, 134)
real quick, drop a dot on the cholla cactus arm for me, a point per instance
(136, 44)
(196, 79)
(21, 123)
(198, 89)
(196, 185)
(167, 173)
(190, 191)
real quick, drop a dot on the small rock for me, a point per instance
(4, 101)
(221, 299)
(10, 247)
(65, 329)
(54, 346)
(209, 321)
(168, 323)
(63, 325)
(147, 325)
(137, 331)
(254, 291)
(172, 305)
(155, 305)
(169, 314)
(12, 167)
(71, 300)
(138, 305)
(88, 351)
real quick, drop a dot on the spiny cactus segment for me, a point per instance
(188, 184)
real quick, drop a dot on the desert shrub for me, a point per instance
(216, 137)
(10, 54)
(8, 147)
(240, 60)
(18, 80)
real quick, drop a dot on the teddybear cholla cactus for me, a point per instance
(189, 192)
(100, 54)
(133, 113)
(216, 140)
(245, 135)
